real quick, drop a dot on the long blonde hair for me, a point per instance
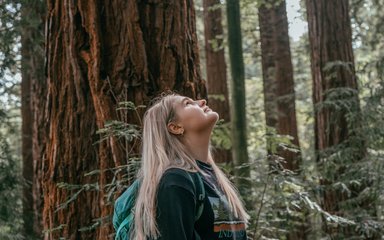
(162, 150)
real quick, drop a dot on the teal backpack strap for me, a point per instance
(201, 196)
(123, 223)
(124, 206)
(200, 192)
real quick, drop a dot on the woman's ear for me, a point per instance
(175, 128)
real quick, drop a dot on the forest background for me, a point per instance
(302, 129)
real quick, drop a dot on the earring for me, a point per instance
(182, 133)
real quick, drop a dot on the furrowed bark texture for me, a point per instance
(100, 53)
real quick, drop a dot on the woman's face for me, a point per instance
(194, 116)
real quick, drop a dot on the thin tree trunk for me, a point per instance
(32, 68)
(239, 133)
(216, 68)
(338, 143)
(91, 67)
(279, 94)
(27, 115)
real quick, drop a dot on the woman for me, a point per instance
(176, 142)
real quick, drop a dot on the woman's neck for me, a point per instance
(198, 146)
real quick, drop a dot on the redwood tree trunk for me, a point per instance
(278, 83)
(100, 53)
(216, 68)
(279, 95)
(337, 140)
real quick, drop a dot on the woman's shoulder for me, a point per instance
(177, 177)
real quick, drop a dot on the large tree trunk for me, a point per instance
(338, 143)
(216, 68)
(32, 69)
(100, 53)
(279, 94)
(238, 116)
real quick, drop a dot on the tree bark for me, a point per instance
(238, 116)
(33, 93)
(216, 68)
(278, 83)
(338, 142)
(101, 53)
(27, 120)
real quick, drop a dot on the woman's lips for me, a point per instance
(207, 109)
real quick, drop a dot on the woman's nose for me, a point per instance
(203, 102)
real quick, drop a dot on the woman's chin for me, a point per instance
(214, 115)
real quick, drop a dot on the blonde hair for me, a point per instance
(162, 150)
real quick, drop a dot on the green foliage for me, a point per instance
(118, 129)
(284, 200)
(276, 141)
(9, 37)
(10, 162)
(221, 136)
(217, 43)
(122, 129)
(268, 3)
(10, 179)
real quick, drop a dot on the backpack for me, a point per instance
(123, 216)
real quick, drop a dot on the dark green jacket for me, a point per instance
(176, 208)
